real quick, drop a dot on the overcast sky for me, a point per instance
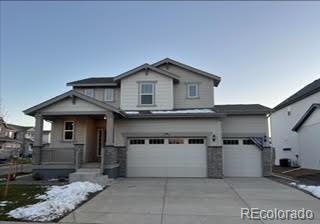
(263, 51)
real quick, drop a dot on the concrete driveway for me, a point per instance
(189, 201)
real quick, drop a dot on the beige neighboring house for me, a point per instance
(10, 144)
(156, 120)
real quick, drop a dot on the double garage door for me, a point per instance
(187, 157)
(166, 157)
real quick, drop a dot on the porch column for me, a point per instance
(109, 157)
(109, 125)
(36, 151)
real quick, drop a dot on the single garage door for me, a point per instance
(166, 157)
(241, 158)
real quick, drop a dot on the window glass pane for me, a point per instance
(156, 141)
(195, 141)
(137, 141)
(146, 99)
(176, 141)
(247, 142)
(231, 142)
(147, 88)
(89, 92)
(192, 90)
(68, 126)
(108, 95)
(68, 135)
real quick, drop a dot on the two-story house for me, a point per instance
(9, 144)
(295, 127)
(156, 120)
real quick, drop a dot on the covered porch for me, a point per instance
(82, 136)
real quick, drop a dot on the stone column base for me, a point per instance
(111, 166)
(267, 161)
(214, 162)
(122, 160)
(36, 155)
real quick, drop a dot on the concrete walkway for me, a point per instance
(189, 201)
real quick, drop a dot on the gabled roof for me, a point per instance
(216, 79)
(72, 93)
(19, 127)
(306, 115)
(242, 109)
(306, 91)
(94, 81)
(146, 67)
(3, 122)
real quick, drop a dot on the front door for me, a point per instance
(100, 140)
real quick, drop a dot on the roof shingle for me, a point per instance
(93, 81)
(242, 109)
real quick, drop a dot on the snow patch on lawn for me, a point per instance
(57, 201)
(314, 190)
(196, 111)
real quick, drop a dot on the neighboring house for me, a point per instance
(156, 120)
(308, 129)
(290, 142)
(25, 136)
(9, 144)
(20, 136)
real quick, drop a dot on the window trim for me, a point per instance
(105, 95)
(64, 131)
(197, 90)
(93, 94)
(153, 83)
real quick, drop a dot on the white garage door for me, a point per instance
(166, 157)
(241, 158)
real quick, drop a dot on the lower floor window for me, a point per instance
(68, 130)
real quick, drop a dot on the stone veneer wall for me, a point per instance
(214, 162)
(122, 160)
(267, 161)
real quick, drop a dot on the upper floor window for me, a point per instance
(68, 131)
(89, 92)
(193, 90)
(109, 95)
(146, 93)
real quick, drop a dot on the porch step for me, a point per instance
(91, 175)
(90, 165)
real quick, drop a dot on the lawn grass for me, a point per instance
(18, 196)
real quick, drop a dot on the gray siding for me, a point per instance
(163, 91)
(206, 89)
(57, 132)
(99, 94)
(244, 125)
